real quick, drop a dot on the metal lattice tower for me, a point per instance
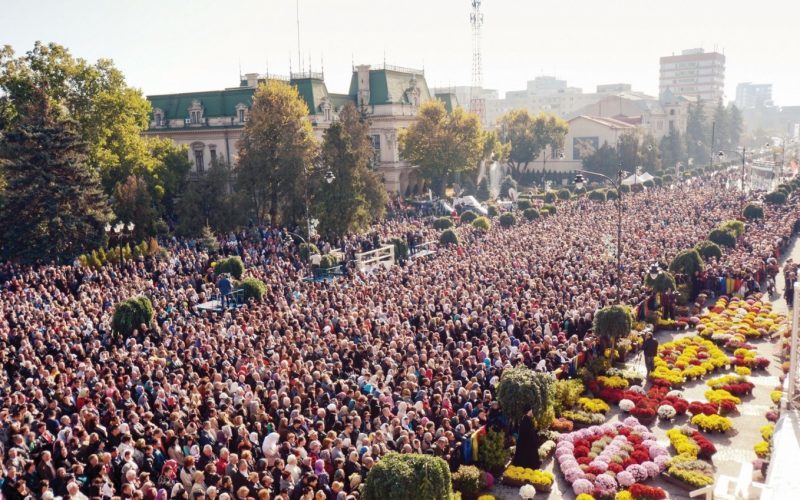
(476, 102)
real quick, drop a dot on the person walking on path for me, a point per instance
(650, 349)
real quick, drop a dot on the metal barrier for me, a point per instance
(383, 256)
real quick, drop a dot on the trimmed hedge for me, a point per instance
(468, 216)
(597, 195)
(507, 220)
(752, 212)
(687, 262)
(482, 223)
(563, 194)
(649, 184)
(442, 223)
(524, 204)
(448, 237)
(736, 227)
(722, 237)
(253, 288)
(549, 197)
(611, 194)
(708, 249)
(307, 250)
(531, 214)
(232, 265)
(492, 210)
(130, 314)
(411, 476)
(328, 261)
(775, 198)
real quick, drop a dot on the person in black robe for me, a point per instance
(528, 443)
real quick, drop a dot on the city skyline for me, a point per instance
(163, 47)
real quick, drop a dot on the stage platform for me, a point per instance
(783, 480)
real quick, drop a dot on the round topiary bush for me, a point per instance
(708, 249)
(531, 213)
(722, 237)
(611, 194)
(658, 181)
(232, 265)
(563, 194)
(468, 216)
(481, 223)
(307, 250)
(687, 262)
(649, 184)
(448, 237)
(549, 208)
(667, 178)
(736, 227)
(507, 220)
(492, 210)
(597, 195)
(613, 322)
(521, 389)
(408, 476)
(625, 188)
(524, 204)
(130, 314)
(442, 223)
(663, 281)
(328, 261)
(752, 212)
(775, 198)
(253, 288)
(549, 197)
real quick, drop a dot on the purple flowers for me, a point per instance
(625, 479)
(582, 486)
(638, 472)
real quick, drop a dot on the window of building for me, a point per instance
(241, 115)
(198, 160)
(213, 152)
(376, 148)
(159, 117)
(195, 115)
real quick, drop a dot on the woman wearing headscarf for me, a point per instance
(270, 448)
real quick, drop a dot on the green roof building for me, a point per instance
(210, 123)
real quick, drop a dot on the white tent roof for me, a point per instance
(637, 179)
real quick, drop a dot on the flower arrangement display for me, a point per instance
(690, 470)
(712, 423)
(767, 431)
(600, 460)
(527, 492)
(561, 425)
(776, 396)
(486, 497)
(666, 412)
(632, 376)
(689, 357)
(689, 442)
(734, 384)
(644, 492)
(584, 496)
(541, 480)
(750, 318)
(613, 382)
(715, 396)
(626, 405)
(773, 415)
(546, 449)
(723, 408)
(584, 418)
(593, 405)
(762, 449)
(743, 370)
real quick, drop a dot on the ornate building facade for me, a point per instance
(211, 123)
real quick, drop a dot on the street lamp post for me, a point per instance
(579, 181)
(329, 178)
(118, 230)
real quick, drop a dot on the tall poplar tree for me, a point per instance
(53, 205)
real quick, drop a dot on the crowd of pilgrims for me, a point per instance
(299, 395)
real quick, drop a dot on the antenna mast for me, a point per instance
(476, 102)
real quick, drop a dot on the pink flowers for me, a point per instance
(625, 479)
(582, 486)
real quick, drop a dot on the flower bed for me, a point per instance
(539, 479)
(689, 472)
(582, 418)
(686, 358)
(687, 441)
(734, 384)
(601, 459)
(751, 318)
(712, 423)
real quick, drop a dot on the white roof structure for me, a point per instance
(637, 179)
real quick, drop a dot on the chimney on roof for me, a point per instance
(252, 79)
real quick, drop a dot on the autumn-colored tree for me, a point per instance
(132, 203)
(276, 149)
(442, 144)
(356, 196)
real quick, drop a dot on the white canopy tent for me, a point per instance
(637, 179)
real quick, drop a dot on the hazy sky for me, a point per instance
(180, 45)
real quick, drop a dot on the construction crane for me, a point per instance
(476, 102)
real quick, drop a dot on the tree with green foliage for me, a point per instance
(252, 288)
(507, 184)
(110, 116)
(649, 156)
(442, 223)
(735, 125)
(673, 150)
(132, 203)
(734, 226)
(663, 281)
(408, 476)
(53, 205)
(507, 220)
(442, 144)
(524, 204)
(687, 262)
(563, 194)
(208, 201)
(277, 147)
(722, 237)
(613, 322)
(232, 265)
(468, 216)
(721, 120)
(207, 241)
(698, 134)
(628, 150)
(521, 389)
(604, 160)
(483, 193)
(526, 137)
(357, 195)
(482, 223)
(775, 198)
(708, 249)
(130, 314)
(400, 248)
(531, 214)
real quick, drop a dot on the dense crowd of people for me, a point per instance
(299, 395)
